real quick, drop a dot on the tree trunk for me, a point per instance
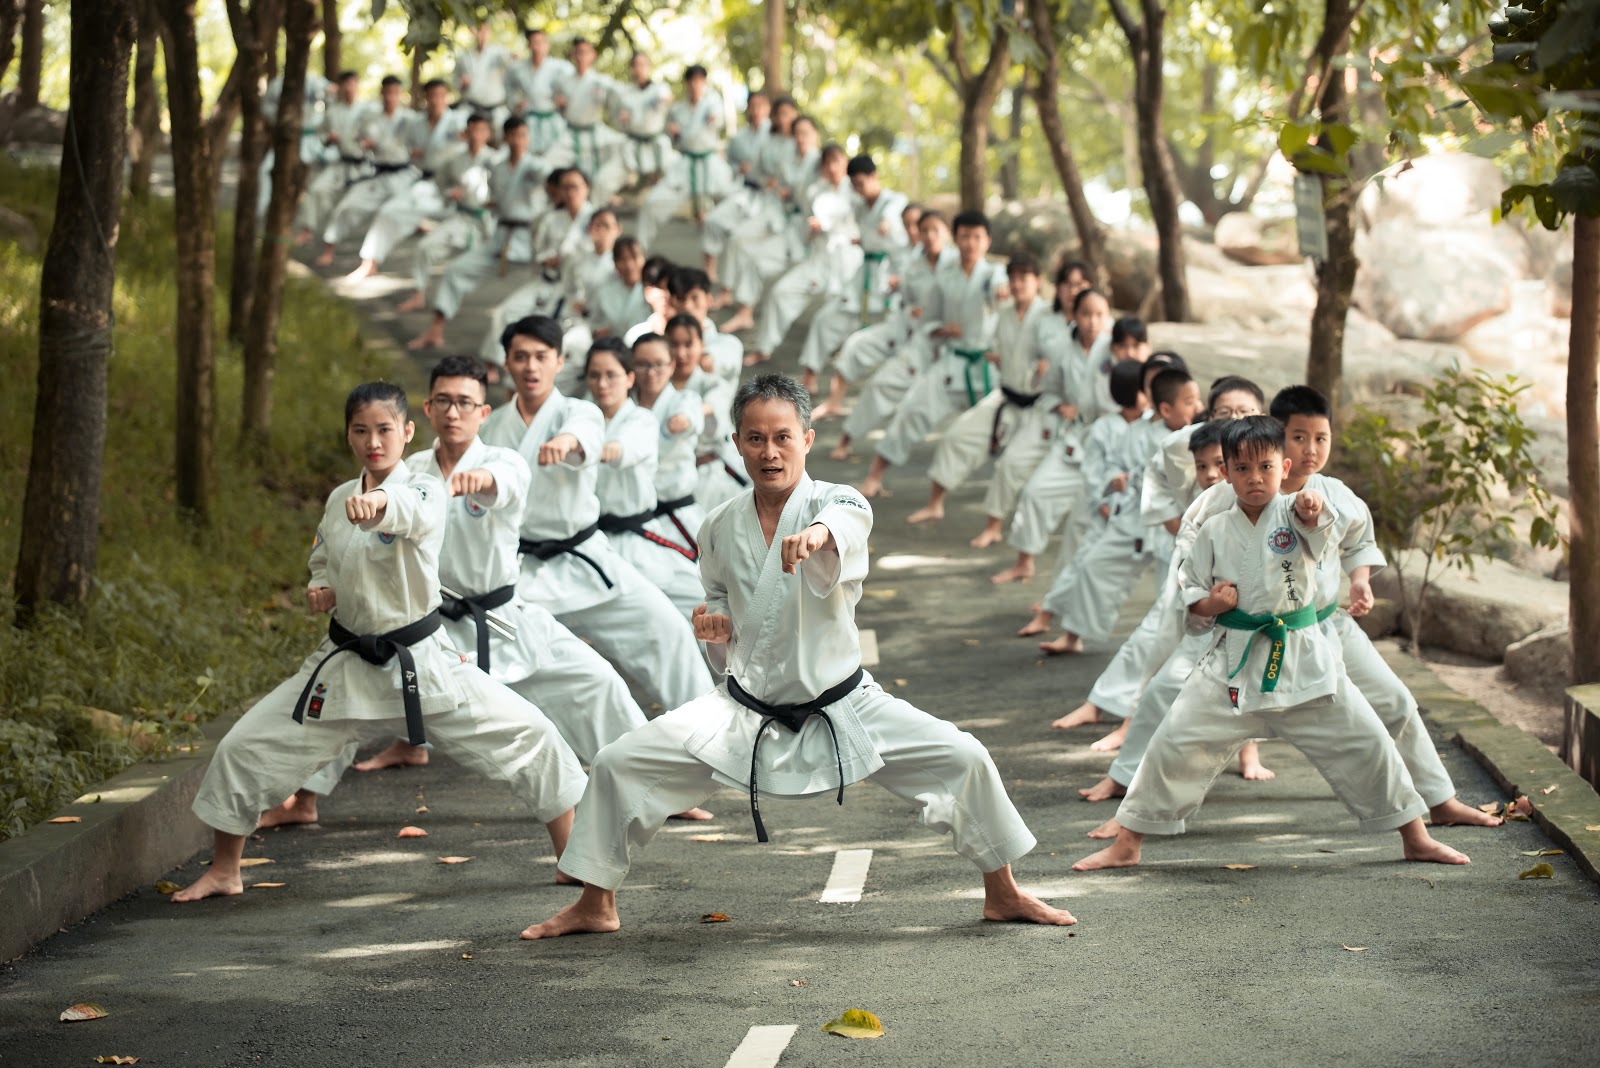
(1583, 451)
(145, 138)
(418, 97)
(1047, 103)
(332, 41)
(1011, 166)
(1336, 276)
(775, 27)
(10, 19)
(30, 66)
(978, 95)
(1155, 162)
(288, 175)
(60, 515)
(194, 219)
(255, 32)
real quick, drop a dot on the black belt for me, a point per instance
(635, 524)
(478, 608)
(751, 183)
(546, 550)
(792, 717)
(1016, 399)
(670, 510)
(391, 168)
(514, 224)
(376, 649)
(736, 476)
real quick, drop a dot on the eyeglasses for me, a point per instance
(651, 365)
(605, 376)
(463, 404)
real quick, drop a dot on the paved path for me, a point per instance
(374, 953)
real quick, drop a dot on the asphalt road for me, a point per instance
(1330, 950)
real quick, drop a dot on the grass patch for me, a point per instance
(184, 624)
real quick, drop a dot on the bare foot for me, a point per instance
(211, 884)
(1113, 741)
(695, 815)
(1453, 813)
(302, 238)
(1433, 851)
(431, 338)
(595, 912)
(325, 258)
(415, 302)
(752, 358)
(1037, 625)
(1252, 769)
(300, 808)
(990, 535)
(825, 410)
(872, 487)
(808, 382)
(1109, 829)
(563, 879)
(1015, 573)
(1006, 902)
(743, 319)
(366, 269)
(926, 514)
(1066, 644)
(1107, 789)
(841, 451)
(1081, 716)
(399, 755)
(1119, 854)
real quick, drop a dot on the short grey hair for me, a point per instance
(773, 387)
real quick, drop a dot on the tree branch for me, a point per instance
(940, 67)
(1124, 17)
(953, 45)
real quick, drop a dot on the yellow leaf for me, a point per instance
(715, 917)
(1543, 852)
(1491, 807)
(454, 860)
(165, 887)
(855, 1023)
(422, 810)
(412, 832)
(1593, 827)
(1551, 788)
(882, 595)
(116, 1060)
(1538, 871)
(66, 819)
(970, 641)
(1355, 949)
(254, 862)
(83, 1011)
(1239, 867)
(266, 886)
(902, 682)
(466, 956)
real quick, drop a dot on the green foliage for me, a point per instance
(183, 624)
(1458, 487)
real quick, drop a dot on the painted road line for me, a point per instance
(869, 648)
(849, 876)
(762, 1046)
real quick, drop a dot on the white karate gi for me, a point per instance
(794, 637)
(726, 351)
(311, 146)
(896, 348)
(344, 160)
(627, 491)
(677, 474)
(480, 78)
(990, 426)
(436, 145)
(596, 147)
(720, 473)
(391, 173)
(773, 234)
(630, 621)
(864, 297)
(959, 375)
(745, 150)
(532, 90)
(557, 235)
(641, 113)
(385, 575)
(466, 222)
(512, 186)
(1274, 563)
(696, 175)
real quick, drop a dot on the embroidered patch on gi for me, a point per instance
(851, 502)
(387, 539)
(314, 708)
(316, 542)
(1282, 541)
(1233, 695)
(476, 510)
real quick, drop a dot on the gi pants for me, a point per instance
(1053, 493)
(888, 388)
(362, 202)
(467, 271)
(1116, 691)
(673, 573)
(969, 441)
(1087, 596)
(934, 399)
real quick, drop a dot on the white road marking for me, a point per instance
(762, 1046)
(869, 648)
(849, 876)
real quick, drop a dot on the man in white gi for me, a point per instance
(745, 148)
(384, 137)
(480, 75)
(584, 96)
(881, 234)
(641, 109)
(311, 147)
(533, 93)
(343, 159)
(783, 567)
(385, 662)
(698, 176)
(568, 566)
(464, 219)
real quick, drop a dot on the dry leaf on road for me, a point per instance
(66, 819)
(412, 832)
(266, 886)
(1538, 871)
(855, 1023)
(84, 1010)
(1490, 807)
(1238, 867)
(422, 810)
(454, 860)
(797, 982)
(466, 956)
(254, 862)
(1552, 788)
(167, 887)
(708, 837)
(1543, 852)
(114, 1059)
(715, 917)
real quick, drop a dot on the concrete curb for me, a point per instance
(1515, 759)
(55, 874)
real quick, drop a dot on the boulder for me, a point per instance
(1477, 613)
(1435, 284)
(19, 231)
(1257, 242)
(1383, 621)
(1542, 660)
(36, 125)
(1441, 190)
(1526, 340)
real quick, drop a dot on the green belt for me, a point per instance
(697, 167)
(869, 268)
(974, 358)
(1277, 629)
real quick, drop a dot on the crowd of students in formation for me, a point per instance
(639, 508)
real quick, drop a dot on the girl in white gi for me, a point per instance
(374, 567)
(864, 296)
(1055, 490)
(1271, 670)
(721, 474)
(988, 426)
(893, 351)
(682, 416)
(964, 302)
(745, 150)
(783, 567)
(616, 305)
(532, 89)
(466, 220)
(690, 291)
(384, 138)
(568, 565)
(697, 176)
(626, 484)
(342, 158)
(769, 240)
(513, 183)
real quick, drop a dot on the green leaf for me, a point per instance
(1293, 138)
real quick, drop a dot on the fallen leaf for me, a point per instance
(1593, 827)
(466, 956)
(797, 982)
(902, 682)
(1538, 871)
(855, 1023)
(266, 886)
(1327, 851)
(715, 917)
(254, 862)
(116, 1060)
(83, 1011)
(1424, 878)
(1355, 949)
(970, 641)
(1239, 867)
(454, 860)
(422, 810)
(1522, 806)
(66, 819)
(412, 832)
(1551, 789)
(165, 887)
(1543, 852)
(1490, 807)
(707, 837)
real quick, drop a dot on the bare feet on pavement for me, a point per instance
(595, 912)
(1107, 789)
(1062, 646)
(212, 884)
(325, 258)
(873, 487)
(364, 270)
(926, 514)
(1123, 853)
(841, 451)
(415, 302)
(1006, 902)
(1037, 625)
(1081, 716)
(399, 755)
(1250, 765)
(300, 808)
(1014, 573)
(431, 338)
(1111, 742)
(1453, 813)
(1109, 829)
(694, 815)
(986, 537)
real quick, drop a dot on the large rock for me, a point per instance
(1435, 283)
(1529, 342)
(1477, 613)
(1542, 660)
(1257, 242)
(36, 125)
(1441, 190)
(19, 231)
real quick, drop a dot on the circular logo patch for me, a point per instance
(387, 539)
(476, 510)
(1283, 541)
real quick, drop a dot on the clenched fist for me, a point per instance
(798, 547)
(713, 629)
(611, 452)
(556, 449)
(475, 481)
(364, 506)
(1360, 598)
(1308, 506)
(319, 599)
(678, 423)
